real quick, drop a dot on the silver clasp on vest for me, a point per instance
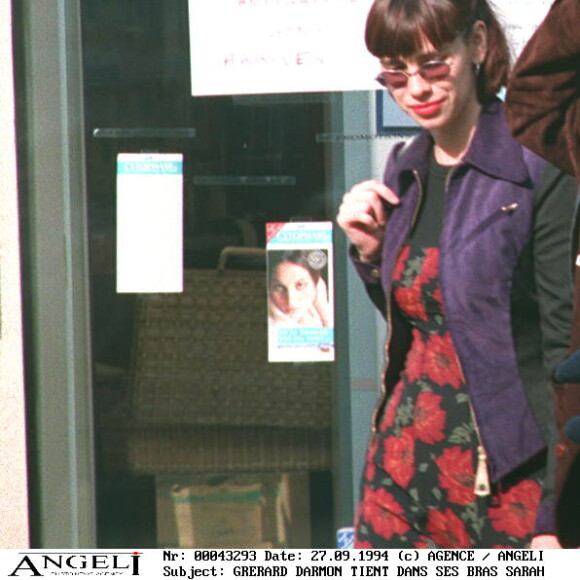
(510, 208)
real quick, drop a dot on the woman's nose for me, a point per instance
(417, 85)
(293, 297)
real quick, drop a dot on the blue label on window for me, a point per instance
(149, 167)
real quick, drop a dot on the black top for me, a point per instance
(429, 221)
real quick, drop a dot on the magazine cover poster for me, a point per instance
(300, 292)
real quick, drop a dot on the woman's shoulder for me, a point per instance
(541, 172)
(497, 153)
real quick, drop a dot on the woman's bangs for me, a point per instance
(403, 33)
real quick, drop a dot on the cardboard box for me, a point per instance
(239, 511)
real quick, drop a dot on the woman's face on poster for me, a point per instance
(292, 289)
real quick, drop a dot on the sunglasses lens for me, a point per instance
(394, 79)
(434, 70)
(381, 80)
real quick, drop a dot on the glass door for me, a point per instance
(182, 458)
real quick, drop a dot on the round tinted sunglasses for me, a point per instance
(431, 71)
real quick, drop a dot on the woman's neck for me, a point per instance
(451, 144)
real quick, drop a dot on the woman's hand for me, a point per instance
(363, 216)
(545, 542)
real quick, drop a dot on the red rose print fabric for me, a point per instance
(456, 474)
(418, 482)
(514, 515)
(399, 456)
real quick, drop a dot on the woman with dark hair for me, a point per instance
(298, 293)
(464, 248)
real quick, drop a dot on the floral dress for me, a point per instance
(418, 482)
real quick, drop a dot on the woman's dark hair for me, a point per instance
(298, 257)
(397, 28)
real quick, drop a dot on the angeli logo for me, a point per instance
(39, 564)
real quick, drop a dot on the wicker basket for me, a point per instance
(201, 359)
(204, 399)
(211, 449)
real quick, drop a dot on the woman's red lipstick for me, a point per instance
(427, 109)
